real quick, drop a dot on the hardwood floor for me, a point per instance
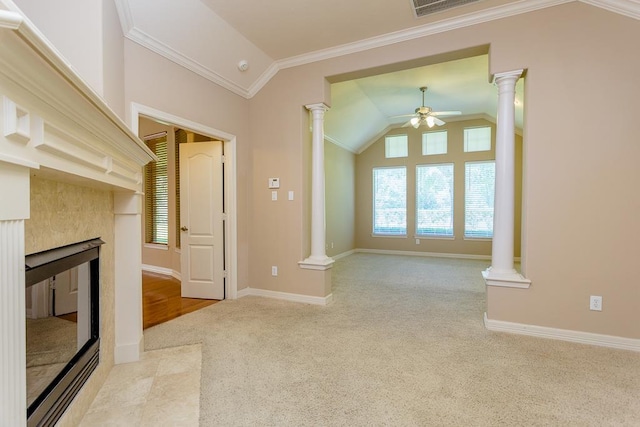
(161, 300)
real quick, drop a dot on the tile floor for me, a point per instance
(162, 389)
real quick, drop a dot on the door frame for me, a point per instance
(230, 184)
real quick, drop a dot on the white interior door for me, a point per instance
(201, 217)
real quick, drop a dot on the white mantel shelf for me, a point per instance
(52, 119)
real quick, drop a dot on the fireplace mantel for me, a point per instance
(53, 124)
(52, 119)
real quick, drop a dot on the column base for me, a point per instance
(317, 263)
(506, 279)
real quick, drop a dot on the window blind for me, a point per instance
(434, 200)
(434, 143)
(396, 146)
(477, 139)
(478, 198)
(156, 196)
(390, 201)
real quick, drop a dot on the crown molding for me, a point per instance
(630, 8)
(125, 15)
(498, 12)
(140, 37)
(340, 144)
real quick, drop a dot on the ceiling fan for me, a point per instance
(426, 115)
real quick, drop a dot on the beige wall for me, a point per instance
(62, 214)
(580, 200)
(374, 156)
(340, 199)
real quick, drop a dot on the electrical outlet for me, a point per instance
(595, 303)
(274, 270)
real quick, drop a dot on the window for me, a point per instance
(477, 139)
(478, 198)
(156, 194)
(434, 200)
(395, 146)
(434, 143)
(390, 201)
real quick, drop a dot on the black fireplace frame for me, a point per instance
(47, 408)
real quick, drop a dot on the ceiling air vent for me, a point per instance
(427, 7)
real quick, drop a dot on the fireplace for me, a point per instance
(57, 132)
(63, 349)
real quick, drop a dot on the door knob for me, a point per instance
(183, 228)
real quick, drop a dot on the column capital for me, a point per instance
(507, 76)
(317, 107)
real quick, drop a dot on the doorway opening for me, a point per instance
(167, 257)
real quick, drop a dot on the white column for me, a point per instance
(318, 260)
(14, 209)
(128, 276)
(501, 272)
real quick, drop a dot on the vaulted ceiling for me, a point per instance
(212, 37)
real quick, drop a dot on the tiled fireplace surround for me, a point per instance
(70, 170)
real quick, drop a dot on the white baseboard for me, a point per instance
(425, 254)
(343, 254)
(563, 334)
(161, 270)
(126, 353)
(306, 299)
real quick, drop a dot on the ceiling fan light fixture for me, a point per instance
(430, 121)
(415, 122)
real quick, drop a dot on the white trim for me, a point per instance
(629, 8)
(244, 292)
(305, 299)
(474, 18)
(157, 246)
(343, 254)
(162, 270)
(339, 144)
(230, 182)
(563, 334)
(138, 36)
(129, 352)
(424, 254)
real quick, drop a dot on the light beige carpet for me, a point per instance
(402, 344)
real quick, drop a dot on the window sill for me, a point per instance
(479, 239)
(393, 236)
(156, 246)
(434, 237)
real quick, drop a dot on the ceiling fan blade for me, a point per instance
(445, 113)
(403, 115)
(438, 121)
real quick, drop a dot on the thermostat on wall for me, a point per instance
(274, 182)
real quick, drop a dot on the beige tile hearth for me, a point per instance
(162, 389)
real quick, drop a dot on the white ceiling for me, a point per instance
(210, 37)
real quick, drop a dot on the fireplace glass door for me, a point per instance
(62, 333)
